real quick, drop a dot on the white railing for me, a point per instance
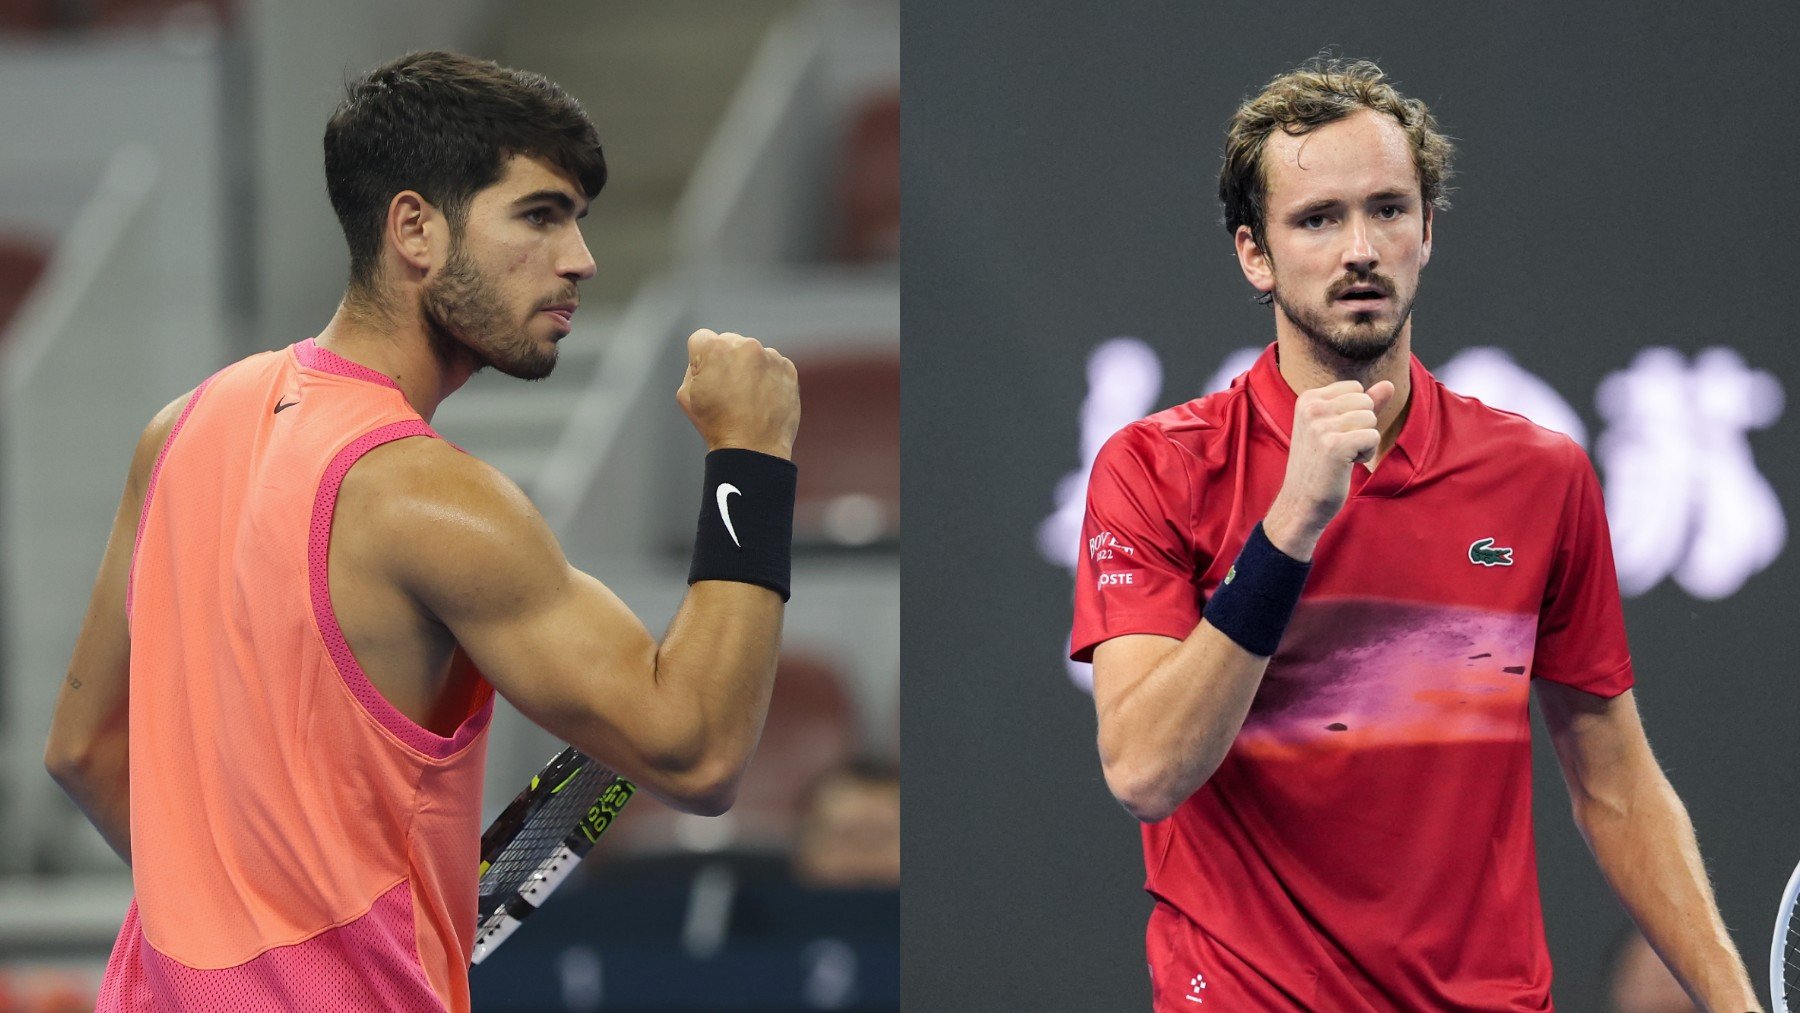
(722, 197)
(598, 421)
(50, 497)
(101, 343)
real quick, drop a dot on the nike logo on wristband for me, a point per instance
(726, 489)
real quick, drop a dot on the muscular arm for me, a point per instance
(1643, 841)
(680, 717)
(1169, 709)
(87, 752)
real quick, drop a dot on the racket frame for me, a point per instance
(1778, 952)
(504, 919)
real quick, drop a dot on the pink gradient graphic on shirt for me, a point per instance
(1365, 672)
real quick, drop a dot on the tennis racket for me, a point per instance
(538, 840)
(1784, 953)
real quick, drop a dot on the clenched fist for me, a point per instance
(1334, 430)
(740, 394)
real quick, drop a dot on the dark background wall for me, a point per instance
(1625, 180)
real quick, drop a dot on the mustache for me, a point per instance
(1375, 280)
(569, 298)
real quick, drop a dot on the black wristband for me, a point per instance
(746, 521)
(1254, 602)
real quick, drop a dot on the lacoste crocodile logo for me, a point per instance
(1484, 552)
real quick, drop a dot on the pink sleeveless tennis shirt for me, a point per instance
(296, 842)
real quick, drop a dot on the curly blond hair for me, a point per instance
(1320, 91)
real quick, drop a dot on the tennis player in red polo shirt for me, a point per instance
(1316, 603)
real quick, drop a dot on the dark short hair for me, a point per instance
(1320, 91)
(444, 124)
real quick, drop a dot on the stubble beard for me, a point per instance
(467, 320)
(1357, 343)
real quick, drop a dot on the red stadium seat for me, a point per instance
(811, 729)
(869, 182)
(22, 262)
(39, 16)
(848, 449)
(142, 13)
(28, 16)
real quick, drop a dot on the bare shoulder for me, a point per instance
(151, 440)
(435, 519)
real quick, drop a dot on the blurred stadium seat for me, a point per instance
(811, 729)
(22, 262)
(848, 450)
(869, 181)
(28, 17)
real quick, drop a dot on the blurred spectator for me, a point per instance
(1639, 982)
(850, 831)
(46, 991)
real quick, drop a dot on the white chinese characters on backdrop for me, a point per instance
(1683, 496)
(1682, 491)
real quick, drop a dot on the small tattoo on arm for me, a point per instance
(74, 683)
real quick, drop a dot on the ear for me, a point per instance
(415, 232)
(1425, 247)
(1259, 269)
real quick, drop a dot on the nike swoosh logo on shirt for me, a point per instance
(279, 407)
(726, 489)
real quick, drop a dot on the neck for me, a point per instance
(396, 345)
(1306, 366)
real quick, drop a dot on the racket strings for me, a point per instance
(543, 831)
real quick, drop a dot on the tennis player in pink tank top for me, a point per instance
(308, 599)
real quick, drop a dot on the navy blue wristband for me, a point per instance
(1254, 602)
(746, 529)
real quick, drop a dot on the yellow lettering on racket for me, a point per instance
(602, 813)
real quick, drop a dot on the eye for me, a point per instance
(1390, 212)
(1313, 222)
(538, 216)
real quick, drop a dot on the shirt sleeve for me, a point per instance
(1137, 566)
(1581, 627)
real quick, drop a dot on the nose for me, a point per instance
(576, 263)
(1360, 256)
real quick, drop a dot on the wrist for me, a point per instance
(1289, 532)
(783, 449)
(746, 531)
(1254, 602)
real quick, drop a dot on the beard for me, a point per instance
(1358, 341)
(467, 320)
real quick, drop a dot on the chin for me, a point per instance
(523, 357)
(535, 367)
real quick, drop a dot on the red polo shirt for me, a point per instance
(1366, 843)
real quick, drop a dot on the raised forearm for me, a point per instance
(717, 660)
(1162, 737)
(1645, 845)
